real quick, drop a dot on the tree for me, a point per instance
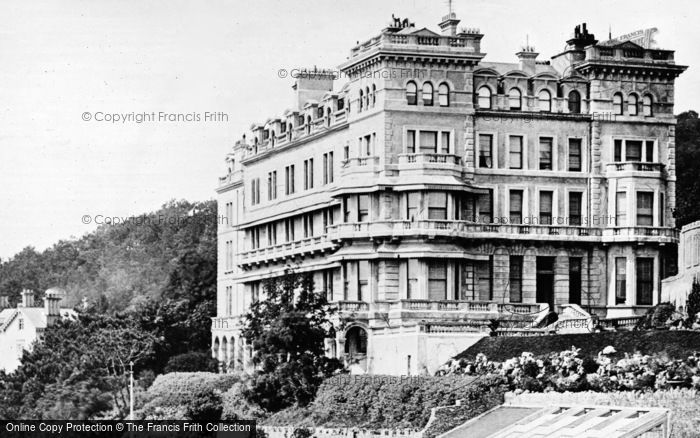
(78, 370)
(687, 168)
(287, 330)
(693, 304)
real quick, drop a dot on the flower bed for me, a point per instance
(571, 371)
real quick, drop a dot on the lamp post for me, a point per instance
(131, 390)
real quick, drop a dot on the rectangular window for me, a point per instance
(328, 284)
(254, 238)
(412, 205)
(645, 209)
(272, 185)
(412, 276)
(289, 180)
(486, 208)
(428, 142)
(575, 154)
(649, 151)
(620, 280)
(325, 169)
(621, 209)
(346, 152)
(364, 273)
(437, 280)
(645, 281)
(309, 174)
(271, 234)
(575, 200)
(516, 206)
(255, 189)
(254, 292)
(308, 220)
(437, 206)
(662, 210)
(363, 208)
(485, 151)
(618, 151)
(546, 153)
(289, 230)
(444, 142)
(546, 207)
(330, 167)
(368, 145)
(484, 283)
(411, 141)
(633, 150)
(515, 152)
(575, 280)
(515, 279)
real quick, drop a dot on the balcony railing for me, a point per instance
(287, 249)
(641, 233)
(635, 166)
(430, 158)
(457, 306)
(456, 228)
(367, 164)
(231, 177)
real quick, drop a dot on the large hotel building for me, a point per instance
(434, 194)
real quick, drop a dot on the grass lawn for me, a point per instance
(674, 344)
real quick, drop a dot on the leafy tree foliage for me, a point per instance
(79, 370)
(693, 304)
(687, 168)
(192, 362)
(287, 330)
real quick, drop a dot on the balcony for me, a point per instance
(461, 229)
(649, 169)
(360, 165)
(443, 310)
(282, 251)
(231, 178)
(641, 234)
(430, 164)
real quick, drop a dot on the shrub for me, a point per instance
(191, 362)
(693, 304)
(378, 402)
(237, 407)
(184, 392)
(205, 406)
(657, 317)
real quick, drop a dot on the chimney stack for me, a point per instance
(528, 59)
(52, 299)
(27, 298)
(449, 23)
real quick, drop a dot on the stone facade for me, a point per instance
(436, 191)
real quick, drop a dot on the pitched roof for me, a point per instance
(35, 315)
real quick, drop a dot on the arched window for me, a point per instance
(484, 98)
(545, 99)
(361, 99)
(515, 101)
(646, 105)
(328, 117)
(428, 94)
(308, 125)
(374, 94)
(368, 97)
(289, 132)
(444, 94)
(272, 138)
(319, 112)
(574, 102)
(411, 93)
(617, 104)
(632, 105)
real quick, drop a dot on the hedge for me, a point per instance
(676, 344)
(377, 402)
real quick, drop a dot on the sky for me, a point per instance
(63, 59)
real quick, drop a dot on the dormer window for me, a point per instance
(308, 125)
(617, 104)
(444, 95)
(341, 104)
(545, 100)
(574, 102)
(428, 94)
(632, 105)
(515, 99)
(319, 112)
(411, 93)
(484, 98)
(328, 117)
(646, 106)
